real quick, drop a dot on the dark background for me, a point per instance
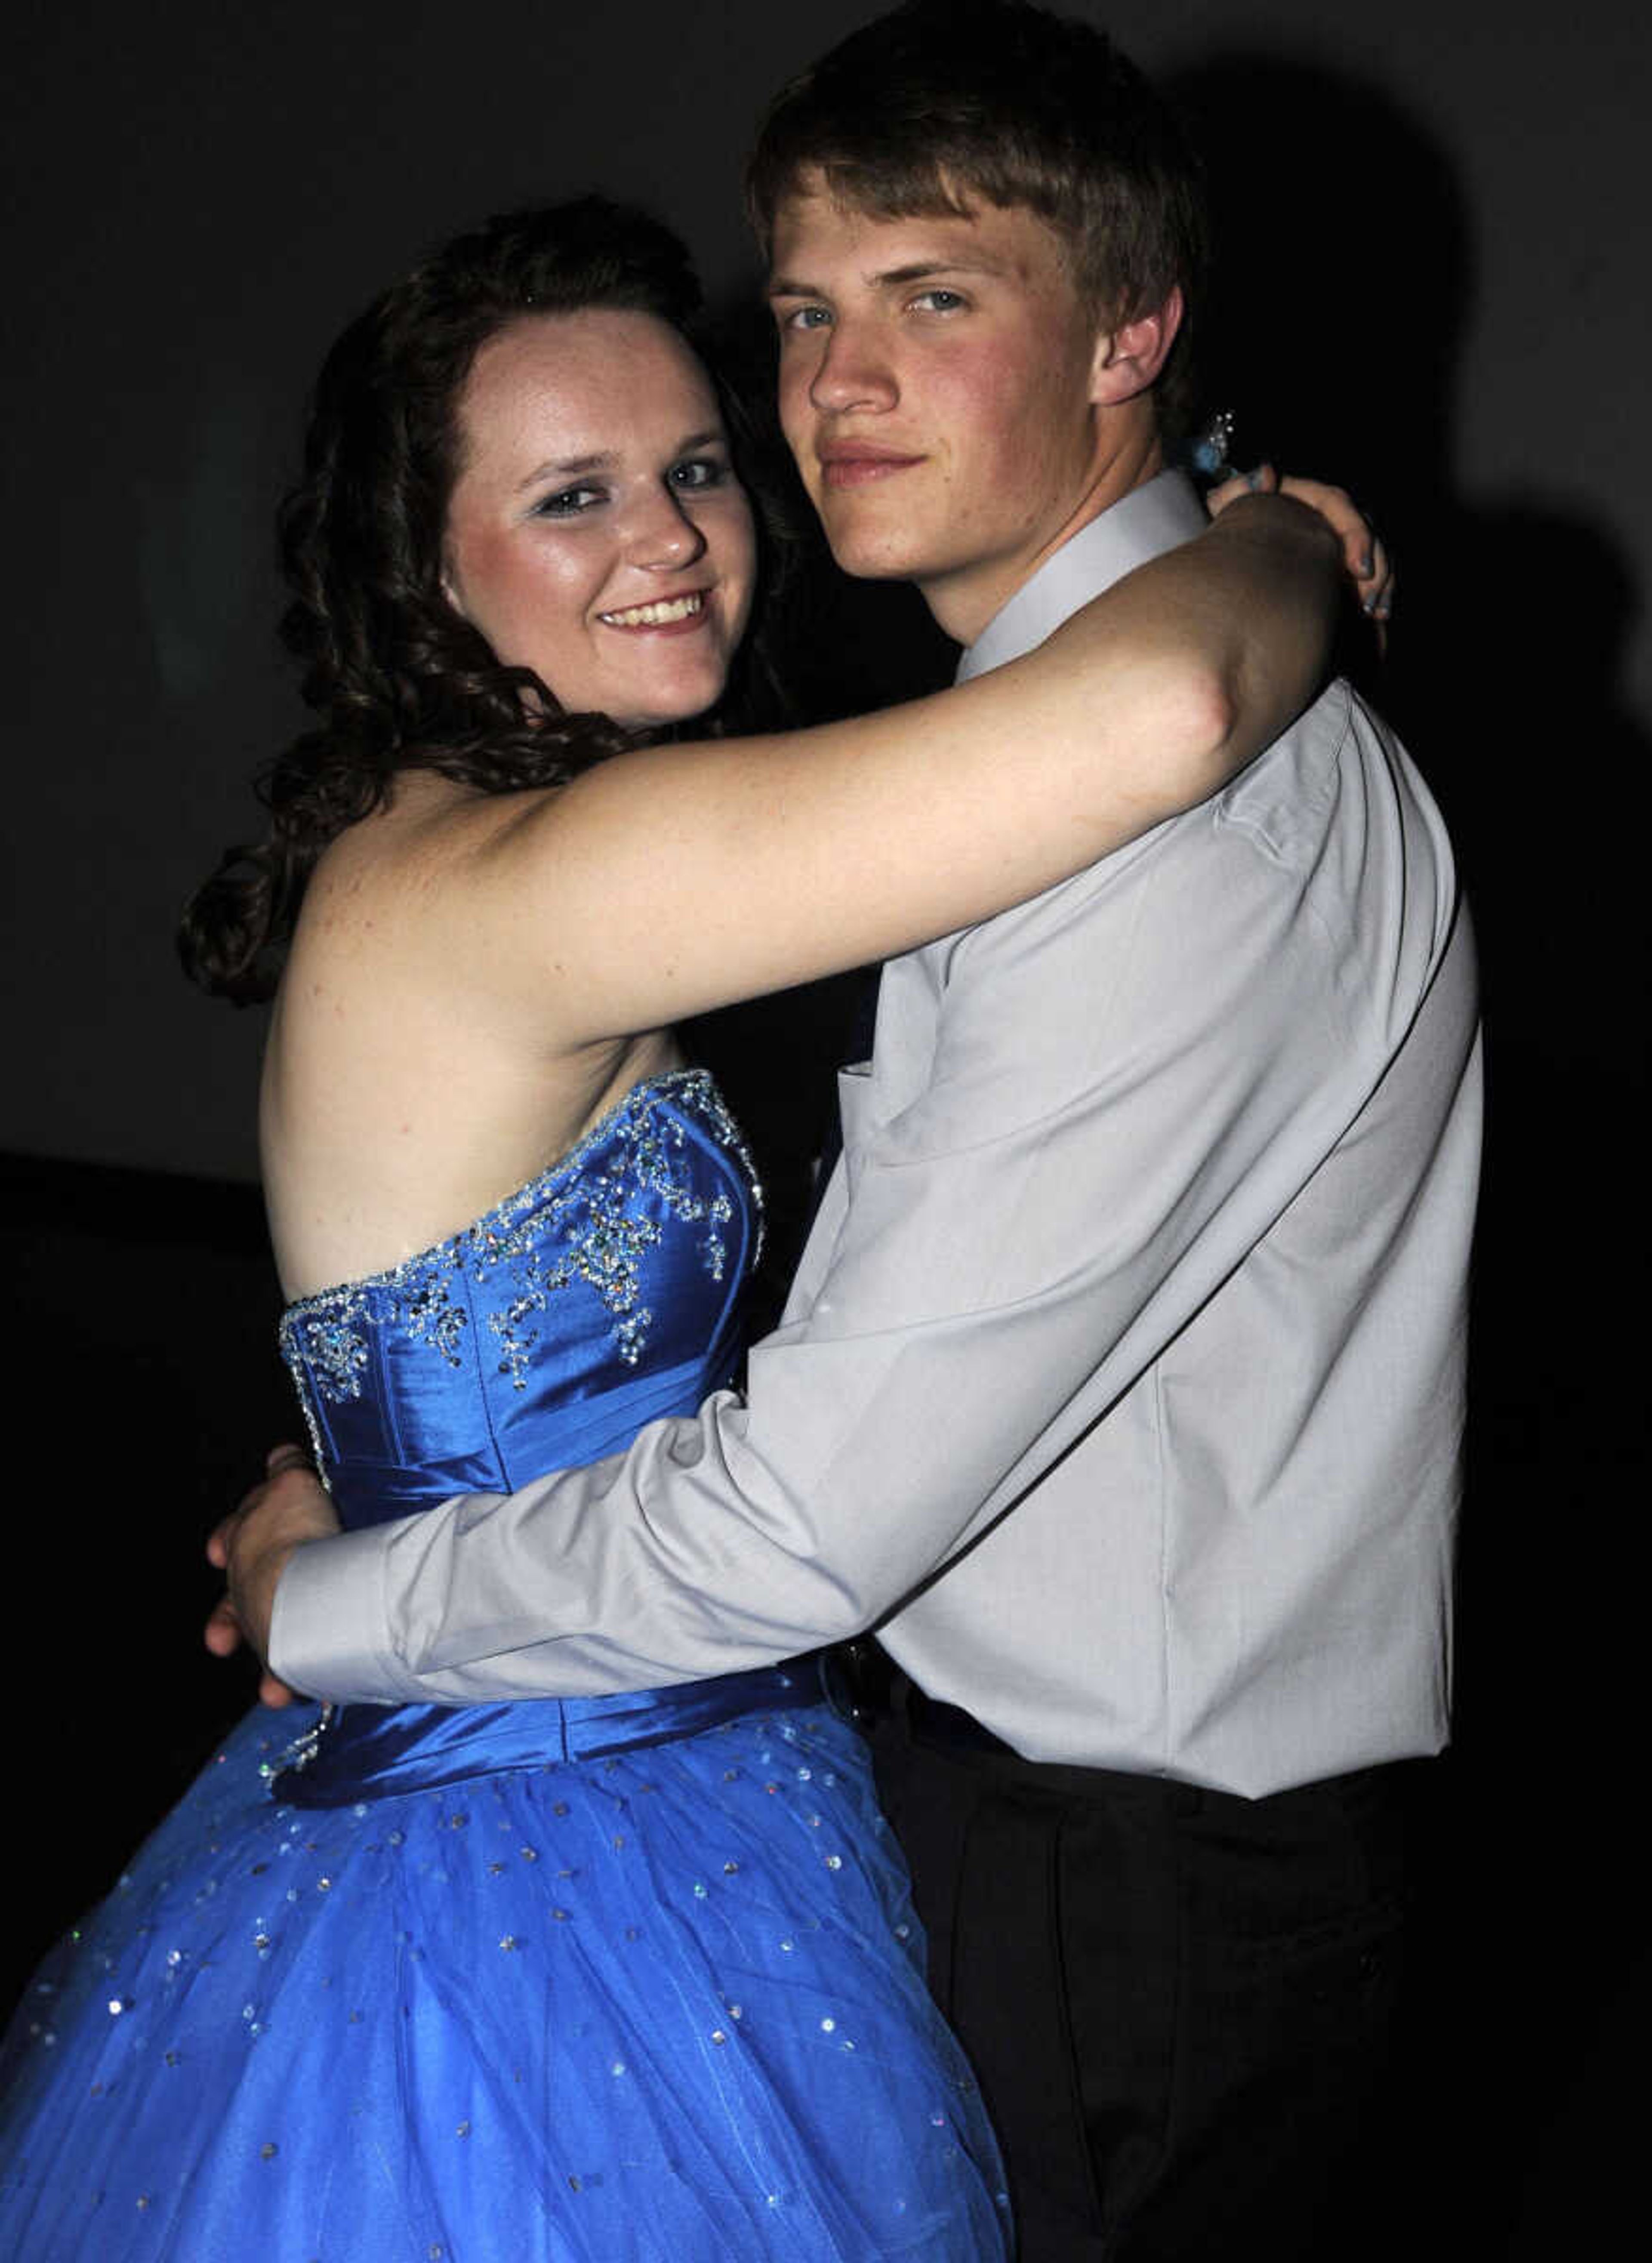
(1436, 226)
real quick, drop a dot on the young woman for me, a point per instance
(617, 1978)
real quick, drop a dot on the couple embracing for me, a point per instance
(1119, 1390)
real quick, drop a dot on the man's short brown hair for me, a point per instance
(946, 100)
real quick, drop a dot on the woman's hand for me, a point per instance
(1369, 566)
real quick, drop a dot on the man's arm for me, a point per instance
(1132, 1077)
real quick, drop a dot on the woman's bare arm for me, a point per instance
(674, 880)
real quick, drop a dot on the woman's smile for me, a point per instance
(597, 532)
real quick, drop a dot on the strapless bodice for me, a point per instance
(603, 1294)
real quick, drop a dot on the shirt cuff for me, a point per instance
(329, 1636)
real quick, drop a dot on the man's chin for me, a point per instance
(874, 557)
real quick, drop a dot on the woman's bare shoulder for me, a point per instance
(399, 875)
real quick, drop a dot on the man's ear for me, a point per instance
(1128, 360)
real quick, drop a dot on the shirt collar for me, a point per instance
(1160, 514)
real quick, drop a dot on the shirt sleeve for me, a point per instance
(1125, 1083)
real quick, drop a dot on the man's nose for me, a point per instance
(853, 372)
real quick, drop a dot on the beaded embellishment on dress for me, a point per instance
(578, 1219)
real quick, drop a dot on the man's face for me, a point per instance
(935, 387)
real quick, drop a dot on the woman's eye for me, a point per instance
(699, 472)
(804, 318)
(568, 502)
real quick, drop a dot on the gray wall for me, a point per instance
(1442, 302)
(1436, 290)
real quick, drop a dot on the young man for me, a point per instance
(1121, 1386)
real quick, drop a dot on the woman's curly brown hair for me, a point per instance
(398, 678)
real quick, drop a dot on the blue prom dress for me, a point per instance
(626, 1979)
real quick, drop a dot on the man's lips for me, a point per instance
(851, 464)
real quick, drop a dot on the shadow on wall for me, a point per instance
(146, 1385)
(1334, 334)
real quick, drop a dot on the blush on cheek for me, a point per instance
(474, 571)
(524, 599)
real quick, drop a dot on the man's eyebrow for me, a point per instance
(915, 270)
(912, 271)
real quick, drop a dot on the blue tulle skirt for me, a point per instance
(662, 2003)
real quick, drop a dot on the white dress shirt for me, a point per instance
(1122, 1384)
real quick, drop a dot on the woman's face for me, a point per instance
(596, 532)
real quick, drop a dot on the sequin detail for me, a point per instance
(581, 1221)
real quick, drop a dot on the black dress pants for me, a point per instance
(1184, 2008)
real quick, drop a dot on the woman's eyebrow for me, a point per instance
(571, 467)
(567, 467)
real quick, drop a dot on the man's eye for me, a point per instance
(804, 318)
(940, 302)
(568, 502)
(698, 471)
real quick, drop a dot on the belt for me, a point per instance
(864, 1681)
(373, 1752)
(935, 1723)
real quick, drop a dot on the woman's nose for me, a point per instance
(664, 536)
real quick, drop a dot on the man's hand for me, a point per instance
(251, 1549)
